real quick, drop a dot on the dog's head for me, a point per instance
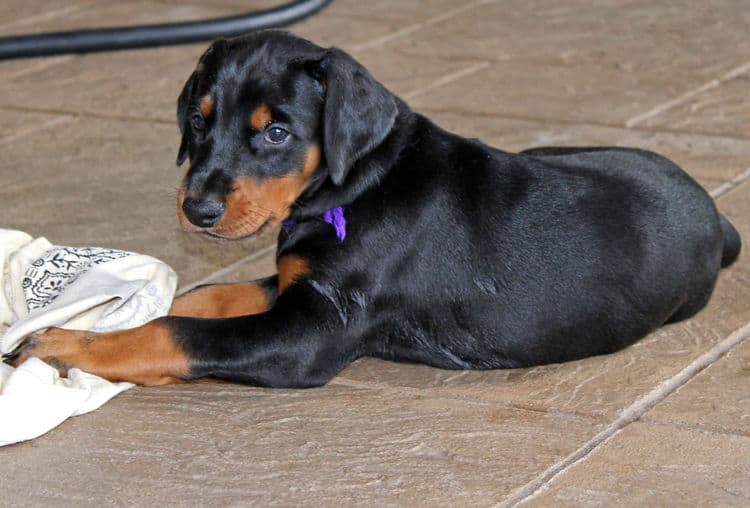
(265, 117)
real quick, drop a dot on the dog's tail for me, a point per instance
(732, 242)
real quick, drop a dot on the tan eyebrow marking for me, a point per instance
(207, 105)
(260, 118)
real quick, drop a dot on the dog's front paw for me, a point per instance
(63, 349)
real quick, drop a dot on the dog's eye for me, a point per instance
(276, 135)
(197, 123)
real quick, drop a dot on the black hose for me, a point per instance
(107, 39)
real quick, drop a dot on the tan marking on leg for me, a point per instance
(147, 355)
(207, 106)
(260, 118)
(292, 268)
(222, 301)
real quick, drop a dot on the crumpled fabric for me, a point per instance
(82, 288)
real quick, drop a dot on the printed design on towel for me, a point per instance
(145, 304)
(59, 267)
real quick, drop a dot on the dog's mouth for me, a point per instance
(216, 235)
(241, 220)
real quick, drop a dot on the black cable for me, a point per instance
(107, 39)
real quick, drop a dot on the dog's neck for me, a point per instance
(323, 195)
(334, 217)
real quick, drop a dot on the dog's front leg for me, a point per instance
(301, 341)
(147, 355)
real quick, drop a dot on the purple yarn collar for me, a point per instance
(334, 216)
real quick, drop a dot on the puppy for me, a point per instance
(400, 240)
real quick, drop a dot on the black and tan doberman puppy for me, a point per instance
(400, 240)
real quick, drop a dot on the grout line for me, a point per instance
(85, 114)
(227, 269)
(46, 16)
(575, 122)
(630, 414)
(45, 125)
(344, 381)
(731, 184)
(736, 72)
(692, 427)
(661, 108)
(440, 110)
(448, 78)
(405, 391)
(416, 26)
(40, 65)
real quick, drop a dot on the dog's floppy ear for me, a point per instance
(182, 105)
(358, 114)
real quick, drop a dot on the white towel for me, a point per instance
(84, 288)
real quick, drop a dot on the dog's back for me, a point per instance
(564, 252)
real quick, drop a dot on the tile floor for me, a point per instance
(88, 146)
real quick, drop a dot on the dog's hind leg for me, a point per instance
(227, 300)
(701, 293)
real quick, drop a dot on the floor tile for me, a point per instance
(521, 89)
(381, 10)
(212, 444)
(15, 125)
(110, 13)
(604, 63)
(624, 36)
(412, 12)
(652, 465)
(33, 15)
(333, 29)
(717, 399)
(233, 6)
(724, 110)
(259, 268)
(141, 84)
(405, 74)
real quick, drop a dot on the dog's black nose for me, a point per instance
(203, 212)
